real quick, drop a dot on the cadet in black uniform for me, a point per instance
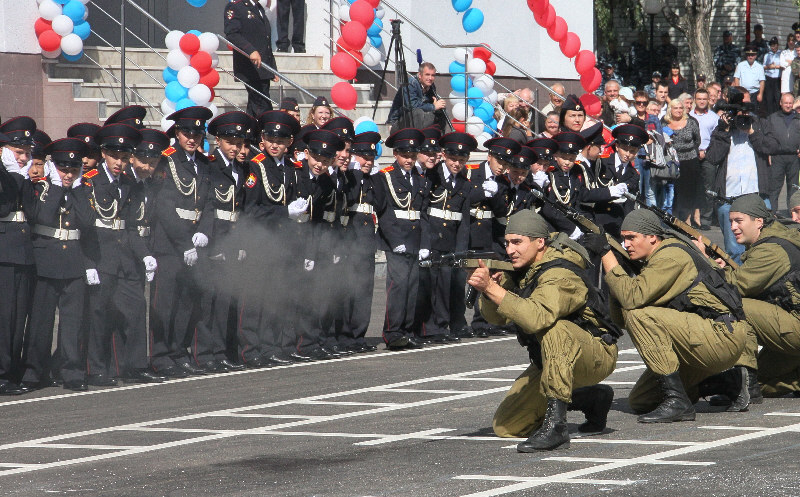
(247, 27)
(132, 115)
(401, 201)
(226, 249)
(184, 215)
(515, 185)
(36, 168)
(16, 251)
(86, 132)
(60, 214)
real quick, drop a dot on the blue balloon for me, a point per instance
(461, 5)
(365, 126)
(82, 29)
(376, 41)
(74, 10)
(485, 111)
(475, 96)
(183, 103)
(169, 75)
(379, 149)
(472, 20)
(376, 28)
(456, 67)
(458, 81)
(72, 58)
(175, 92)
(61, 2)
(196, 3)
(491, 127)
(194, 32)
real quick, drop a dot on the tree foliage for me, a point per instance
(628, 10)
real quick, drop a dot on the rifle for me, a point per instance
(680, 226)
(729, 200)
(469, 260)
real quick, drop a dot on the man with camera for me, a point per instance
(739, 149)
(419, 102)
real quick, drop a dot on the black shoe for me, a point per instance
(191, 369)
(361, 348)
(257, 363)
(676, 405)
(331, 353)
(451, 338)
(48, 383)
(553, 434)
(143, 376)
(277, 360)
(282, 50)
(76, 385)
(341, 350)
(100, 380)
(298, 357)
(299, 50)
(397, 343)
(319, 354)
(29, 386)
(497, 331)
(212, 367)
(430, 339)
(731, 387)
(12, 389)
(465, 332)
(482, 333)
(756, 397)
(174, 372)
(414, 343)
(231, 366)
(594, 402)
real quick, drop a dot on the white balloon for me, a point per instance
(456, 94)
(71, 44)
(84, 1)
(52, 55)
(166, 124)
(491, 98)
(85, 13)
(173, 39)
(476, 67)
(474, 126)
(214, 59)
(461, 55)
(200, 94)
(372, 57)
(62, 25)
(49, 10)
(209, 42)
(188, 76)
(380, 12)
(481, 138)
(360, 120)
(484, 82)
(177, 60)
(462, 112)
(344, 12)
(167, 106)
(214, 110)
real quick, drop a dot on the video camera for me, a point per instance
(736, 115)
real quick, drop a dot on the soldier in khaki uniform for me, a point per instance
(794, 205)
(542, 297)
(683, 318)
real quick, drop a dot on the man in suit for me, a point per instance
(247, 27)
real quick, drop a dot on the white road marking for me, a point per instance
(403, 436)
(612, 459)
(620, 383)
(82, 446)
(543, 480)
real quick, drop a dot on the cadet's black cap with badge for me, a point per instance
(502, 148)
(290, 104)
(544, 147)
(594, 135)
(191, 119)
(431, 141)
(119, 137)
(365, 144)
(323, 142)
(236, 124)
(458, 144)
(342, 126)
(524, 158)
(406, 140)
(40, 140)
(630, 134)
(132, 115)
(572, 103)
(154, 141)
(67, 152)
(86, 132)
(279, 124)
(19, 130)
(569, 142)
(321, 101)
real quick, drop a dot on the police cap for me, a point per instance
(234, 124)
(67, 152)
(594, 135)
(544, 147)
(19, 130)
(290, 104)
(569, 142)
(365, 144)
(406, 140)
(431, 141)
(323, 142)
(119, 137)
(630, 134)
(458, 144)
(342, 126)
(86, 132)
(524, 158)
(40, 140)
(154, 141)
(572, 103)
(191, 119)
(132, 115)
(502, 148)
(321, 101)
(279, 124)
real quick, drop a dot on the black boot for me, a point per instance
(594, 402)
(732, 387)
(553, 433)
(756, 397)
(676, 405)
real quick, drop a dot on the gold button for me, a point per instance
(444, 224)
(66, 223)
(413, 227)
(66, 212)
(63, 246)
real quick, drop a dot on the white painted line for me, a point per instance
(628, 351)
(629, 368)
(419, 390)
(348, 403)
(612, 459)
(16, 465)
(546, 479)
(82, 446)
(273, 416)
(630, 362)
(503, 380)
(793, 414)
(633, 442)
(404, 436)
(620, 383)
(735, 428)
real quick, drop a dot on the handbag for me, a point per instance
(669, 168)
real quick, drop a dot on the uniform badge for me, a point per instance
(324, 145)
(508, 151)
(238, 128)
(277, 127)
(27, 133)
(372, 146)
(229, 14)
(460, 146)
(121, 139)
(150, 146)
(577, 107)
(138, 121)
(250, 15)
(251, 181)
(197, 122)
(410, 142)
(71, 155)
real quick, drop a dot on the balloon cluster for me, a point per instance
(545, 16)
(364, 124)
(190, 74)
(361, 22)
(197, 3)
(472, 80)
(472, 20)
(62, 28)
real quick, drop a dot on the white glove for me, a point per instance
(617, 190)
(576, 234)
(424, 254)
(92, 278)
(309, 265)
(541, 179)
(9, 161)
(150, 263)
(242, 255)
(55, 179)
(190, 257)
(336, 259)
(489, 187)
(400, 249)
(199, 240)
(297, 208)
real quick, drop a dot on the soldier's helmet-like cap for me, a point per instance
(40, 140)
(569, 142)
(630, 134)
(279, 124)
(342, 126)
(86, 132)
(524, 158)
(458, 144)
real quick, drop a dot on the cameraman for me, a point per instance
(427, 108)
(739, 149)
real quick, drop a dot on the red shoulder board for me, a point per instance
(298, 164)
(212, 158)
(259, 158)
(90, 174)
(387, 169)
(169, 151)
(251, 181)
(551, 169)
(473, 166)
(606, 153)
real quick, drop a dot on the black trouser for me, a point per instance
(402, 283)
(772, 95)
(708, 172)
(441, 278)
(298, 10)
(458, 309)
(175, 300)
(784, 168)
(422, 311)
(16, 287)
(313, 315)
(689, 191)
(67, 296)
(257, 104)
(220, 305)
(358, 309)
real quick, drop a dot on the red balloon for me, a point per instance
(42, 25)
(201, 61)
(570, 45)
(558, 30)
(210, 79)
(213, 95)
(343, 46)
(547, 18)
(362, 11)
(374, 3)
(344, 95)
(491, 68)
(590, 80)
(344, 66)
(481, 53)
(538, 7)
(49, 40)
(585, 61)
(190, 44)
(591, 103)
(355, 34)
(459, 126)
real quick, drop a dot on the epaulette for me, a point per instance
(298, 164)
(258, 158)
(550, 169)
(90, 174)
(387, 169)
(212, 158)
(605, 154)
(169, 151)
(473, 166)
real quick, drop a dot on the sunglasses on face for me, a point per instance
(640, 102)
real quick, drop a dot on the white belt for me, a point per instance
(144, 231)
(303, 218)
(445, 214)
(329, 216)
(58, 234)
(409, 215)
(345, 220)
(231, 216)
(112, 224)
(15, 217)
(188, 215)
(362, 208)
(480, 214)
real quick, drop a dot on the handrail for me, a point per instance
(116, 79)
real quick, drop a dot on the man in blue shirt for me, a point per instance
(426, 108)
(707, 119)
(750, 75)
(772, 73)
